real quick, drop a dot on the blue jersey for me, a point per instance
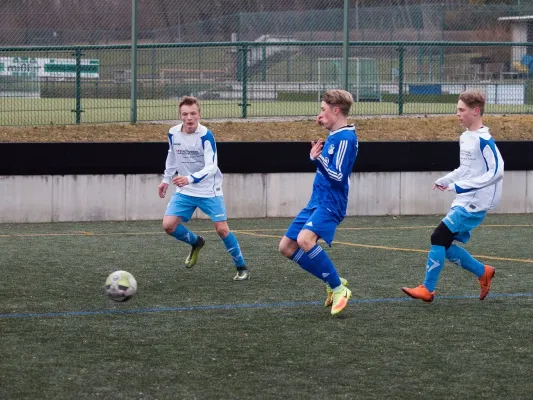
(334, 165)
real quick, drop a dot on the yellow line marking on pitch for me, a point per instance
(252, 232)
(522, 260)
(369, 246)
(362, 228)
(83, 233)
(387, 228)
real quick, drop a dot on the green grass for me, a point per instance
(269, 337)
(28, 112)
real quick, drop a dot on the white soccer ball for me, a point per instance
(120, 286)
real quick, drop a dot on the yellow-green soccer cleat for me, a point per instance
(341, 295)
(329, 293)
(242, 274)
(192, 258)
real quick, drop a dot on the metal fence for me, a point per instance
(103, 22)
(67, 85)
(99, 61)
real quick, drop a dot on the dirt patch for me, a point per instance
(421, 128)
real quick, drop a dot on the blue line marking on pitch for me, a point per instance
(285, 304)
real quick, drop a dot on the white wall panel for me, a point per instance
(514, 193)
(142, 199)
(287, 194)
(417, 197)
(89, 198)
(26, 198)
(374, 193)
(134, 197)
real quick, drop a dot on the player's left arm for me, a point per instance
(493, 173)
(341, 164)
(210, 160)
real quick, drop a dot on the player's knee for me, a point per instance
(442, 236)
(169, 229)
(284, 249)
(305, 242)
(222, 230)
(287, 247)
(169, 226)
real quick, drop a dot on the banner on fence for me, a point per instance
(48, 67)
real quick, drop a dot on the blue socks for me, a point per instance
(232, 245)
(317, 263)
(302, 259)
(462, 258)
(455, 254)
(436, 257)
(183, 234)
(233, 248)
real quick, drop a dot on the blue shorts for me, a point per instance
(181, 205)
(462, 222)
(317, 220)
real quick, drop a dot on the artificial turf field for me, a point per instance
(197, 334)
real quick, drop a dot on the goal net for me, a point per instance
(363, 78)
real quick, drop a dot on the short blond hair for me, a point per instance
(188, 101)
(473, 99)
(339, 98)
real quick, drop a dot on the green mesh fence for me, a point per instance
(252, 59)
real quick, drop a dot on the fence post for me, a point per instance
(288, 76)
(153, 64)
(442, 26)
(346, 44)
(239, 27)
(133, 102)
(263, 64)
(526, 95)
(78, 109)
(244, 69)
(400, 79)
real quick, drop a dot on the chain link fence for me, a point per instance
(253, 59)
(104, 22)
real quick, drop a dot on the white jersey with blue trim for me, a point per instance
(334, 166)
(194, 155)
(478, 181)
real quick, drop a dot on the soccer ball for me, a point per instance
(120, 286)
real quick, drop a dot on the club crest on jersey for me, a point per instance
(331, 149)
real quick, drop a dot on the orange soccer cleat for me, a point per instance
(484, 281)
(419, 292)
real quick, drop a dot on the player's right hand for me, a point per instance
(440, 187)
(162, 188)
(316, 148)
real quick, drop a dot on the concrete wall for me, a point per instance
(134, 197)
(529, 191)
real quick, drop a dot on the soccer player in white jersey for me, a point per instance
(334, 160)
(478, 183)
(192, 155)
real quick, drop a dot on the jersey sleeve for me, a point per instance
(448, 179)
(170, 164)
(492, 174)
(339, 168)
(210, 160)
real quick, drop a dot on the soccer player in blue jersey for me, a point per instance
(193, 155)
(334, 160)
(478, 183)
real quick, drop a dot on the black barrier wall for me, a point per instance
(239, 157)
